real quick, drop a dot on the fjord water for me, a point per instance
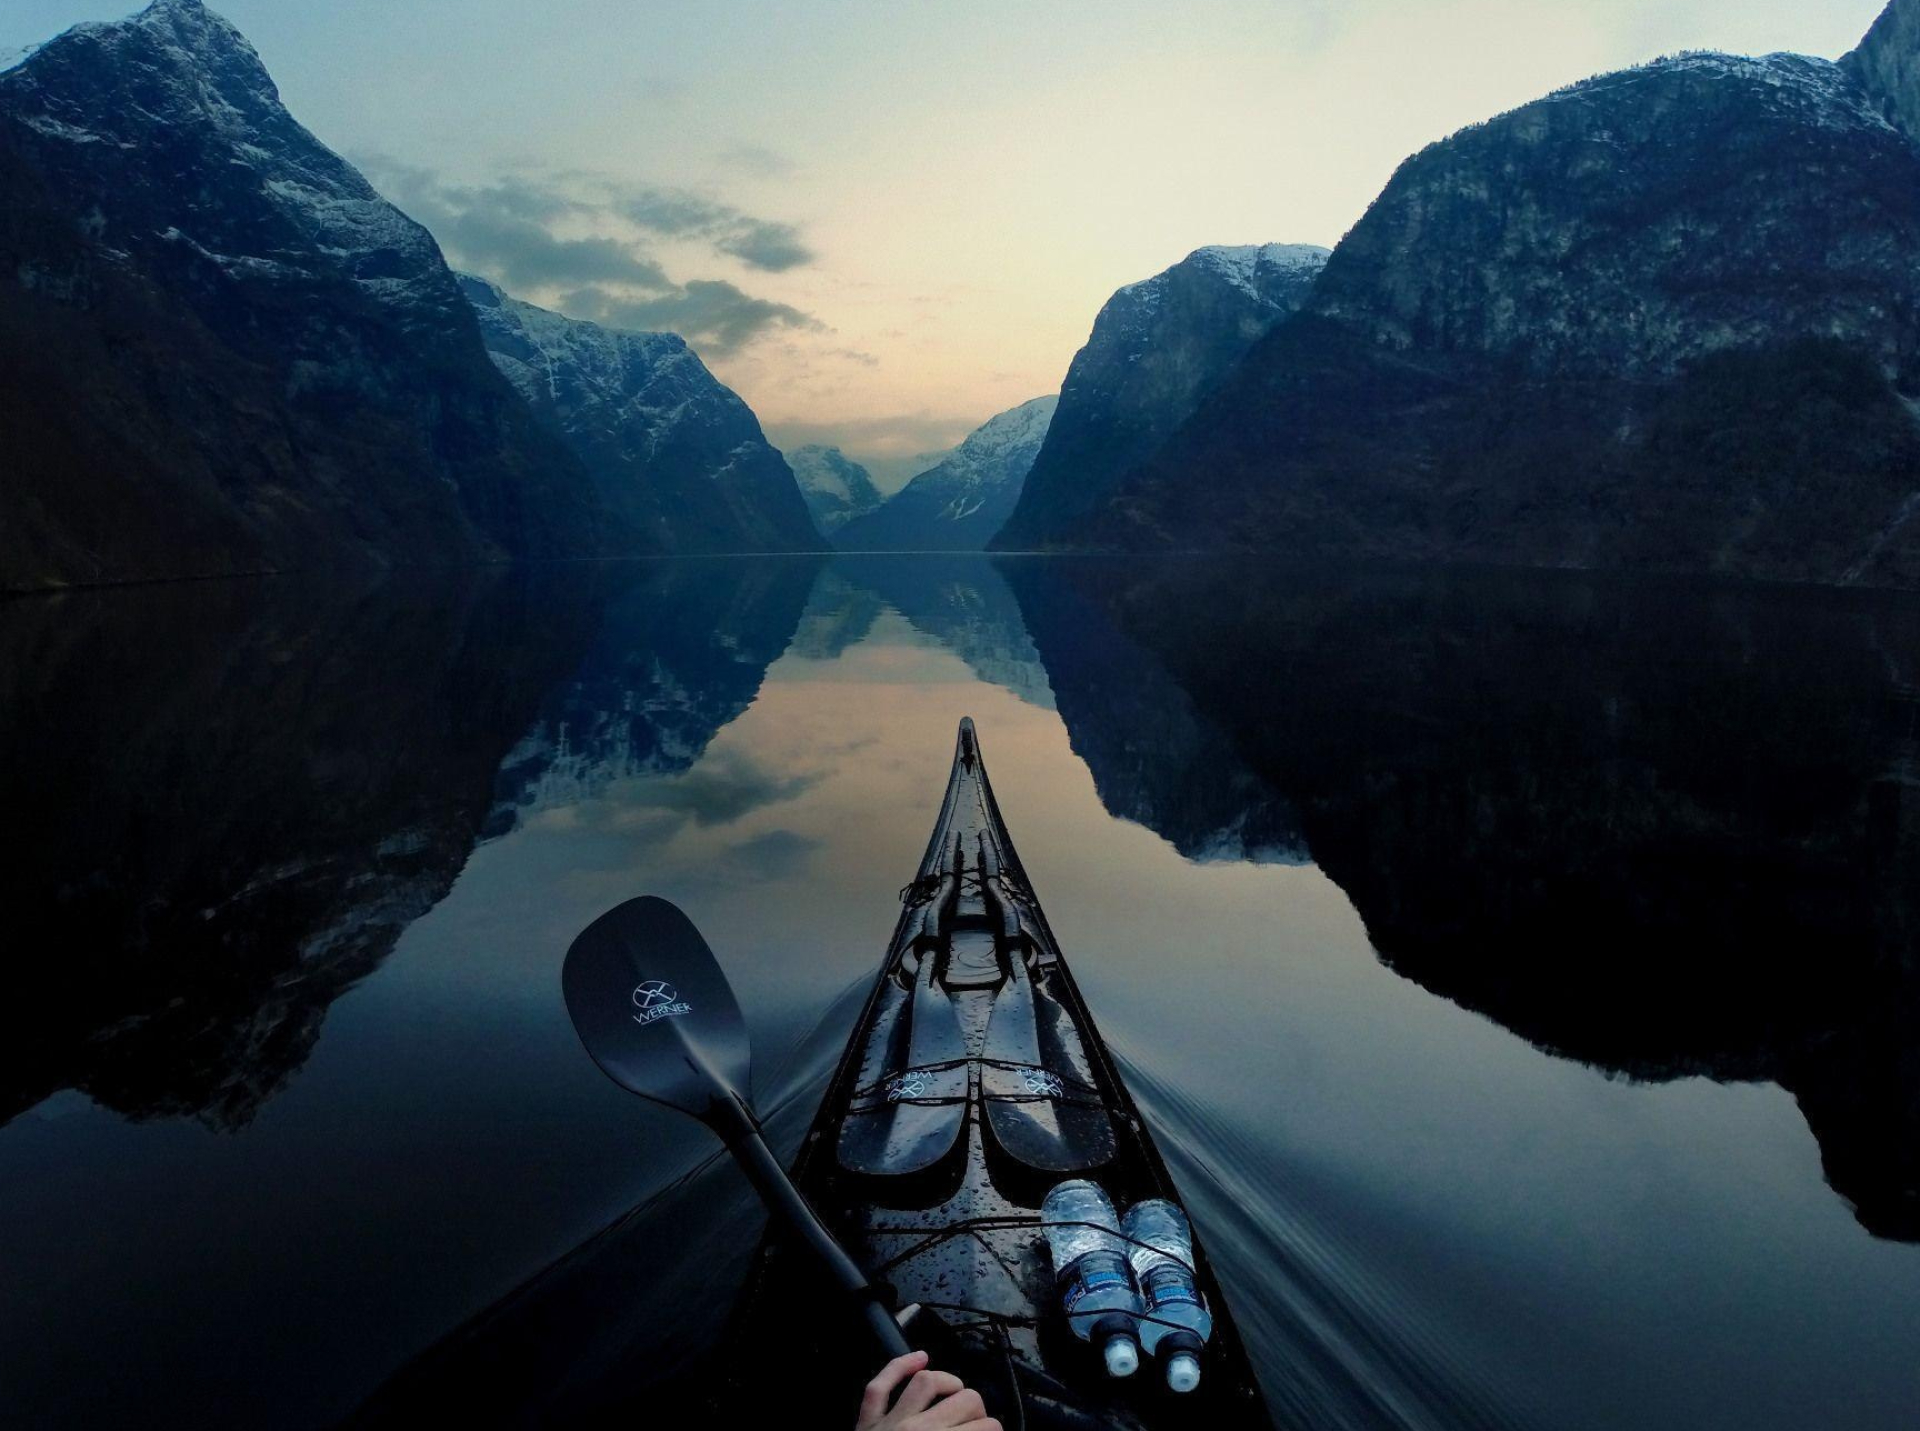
(1519, 971)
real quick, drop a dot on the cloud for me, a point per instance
(711, 314)
(506, 230)
(581, 241)
(758, 243)
(757, 160)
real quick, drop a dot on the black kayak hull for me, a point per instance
(934, 1145)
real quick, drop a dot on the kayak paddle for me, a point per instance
(654, 1010)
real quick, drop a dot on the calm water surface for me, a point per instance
(1520, 971)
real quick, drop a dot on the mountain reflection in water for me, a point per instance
(1664, 831)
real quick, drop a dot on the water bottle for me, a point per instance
(1176, 1323)
(1090, 1263)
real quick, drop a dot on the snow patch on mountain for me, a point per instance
(1245, 265)
(657, 431)
(837, 488)
(1815, 91)
(960, 504)
(646, 378)
(991, 454)
(182, 71)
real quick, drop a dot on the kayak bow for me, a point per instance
(974, 1081)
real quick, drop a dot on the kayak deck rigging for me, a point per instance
(974, 1082)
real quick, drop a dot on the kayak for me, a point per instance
(974, 1081)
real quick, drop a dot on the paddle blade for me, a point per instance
(653, 1009)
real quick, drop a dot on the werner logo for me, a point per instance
(657, 1000)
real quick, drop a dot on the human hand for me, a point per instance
(933, 1400)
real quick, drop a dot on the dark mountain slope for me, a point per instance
(667, 445)
(1664, 319)
(225, 351)
(1157, 348)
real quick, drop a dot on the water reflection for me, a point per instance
(227, 801)
(679, 654)
(259, 830)
(1666, 830)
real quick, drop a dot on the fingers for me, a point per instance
(963, 1408)
(926, 1388)
(873, 1401)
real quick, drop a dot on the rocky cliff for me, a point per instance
(837, 489)
(1157, 348)
(1887, 64)
(1667, 318)
(669, 448)
(225, 351)
(962, 502)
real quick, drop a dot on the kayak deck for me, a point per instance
(974, 1082)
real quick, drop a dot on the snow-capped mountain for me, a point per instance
(1667, 318)
(1887, 64)
(837, 488)
(1157, 348)
(226, 351)
(959, 504)
(666, 444)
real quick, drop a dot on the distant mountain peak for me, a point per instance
(837, 488)
(185, 28)
(1012, 428)
(960, 503)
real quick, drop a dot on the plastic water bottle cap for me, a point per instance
(1123, 1357)
(1183, 1372)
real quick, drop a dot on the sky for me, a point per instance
(884, 221)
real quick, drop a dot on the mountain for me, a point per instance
(668, 447)
(837, 488)
(1157, 348)
(1667, 318)
(1887, 64)
(962, 502)
(225, 351)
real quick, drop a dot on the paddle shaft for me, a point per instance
(742, 1135)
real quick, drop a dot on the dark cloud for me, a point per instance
(524, 255)
(758, 243)
(769, 246)
(515, 230)
(711, 314)
(505, 230)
